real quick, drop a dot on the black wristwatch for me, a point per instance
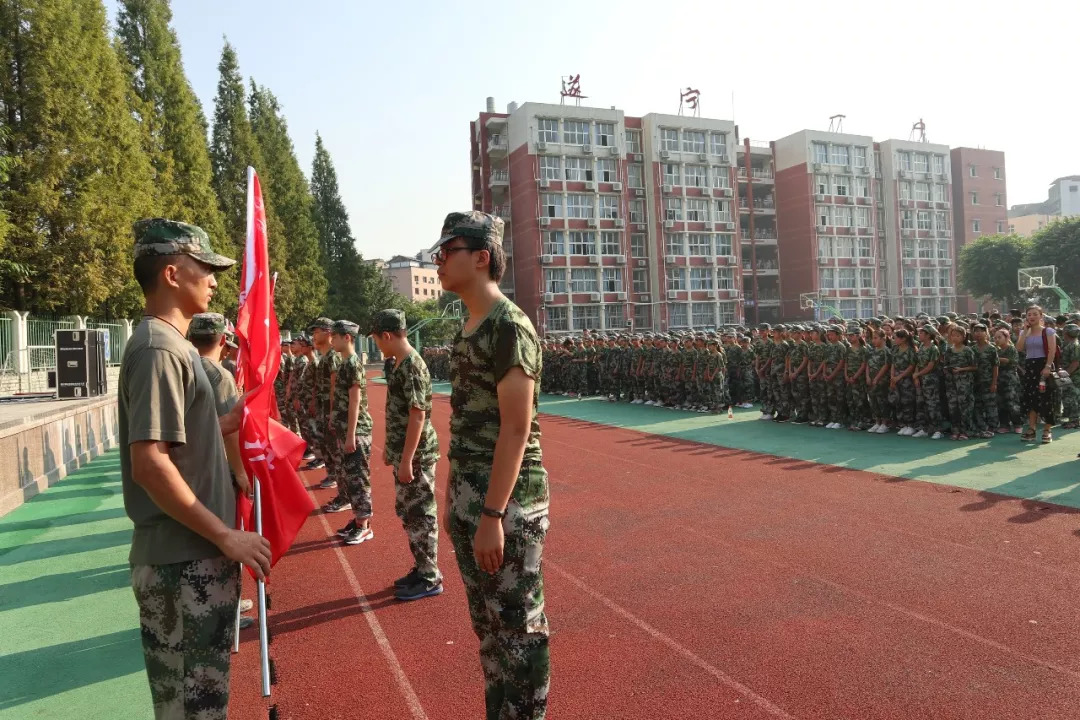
(493, 513)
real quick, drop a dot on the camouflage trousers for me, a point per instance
(309, 433)
(819, 402)
(781, 391)
(1070, 401)
(186, 613)
(878, 396)
(928, 403)
(353, 475)
(766, 393)
(1008, 397)
(960, 391)
(507, 608)
(836, 400)
(414, 503)
(858, 403)
(902, 400)
(986, 407)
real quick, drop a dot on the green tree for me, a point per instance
(356, 289)
(1058, 244)
(79, 176)
(287, 190)
(438, 331)
(988, 266)
(174, 127)
(232, 149)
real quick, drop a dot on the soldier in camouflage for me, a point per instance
(835, 385)
(350, 425)
(324, 448)
(411, 449)
(282, 378)
(927, 377)
(304, 401)
(959, 365)
(497, 498)
(1070, 363)
(986, 377)
(1010, 418)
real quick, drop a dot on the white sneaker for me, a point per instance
(649, 402)
(765, 416)
(937, 436)
(906, 431)
(883, 429)
(920, 434)
(873, 429)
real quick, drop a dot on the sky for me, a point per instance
(392, 86)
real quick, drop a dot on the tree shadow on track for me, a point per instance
(289, 621)
(1058, 477)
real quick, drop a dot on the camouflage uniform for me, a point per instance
(902, 395)
(858, 403)
(836, 389)
(282, 378)
(986, 410)
(353, 469)
(1070, 392)
(781, 388)
(878, 395)
(325, 367)
(928, 395)
(960, 389)
(507, 607)
(800, 386)
(1009, 389)
(818, 387)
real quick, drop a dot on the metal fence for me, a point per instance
(7, 345)
(41, 339)
(114, 348)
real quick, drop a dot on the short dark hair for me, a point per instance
(148, 269)
(497, 264)
(205, 342)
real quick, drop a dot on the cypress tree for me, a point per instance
(79, 175)
(287, 189)
(174, 127)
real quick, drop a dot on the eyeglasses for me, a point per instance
(440, 255)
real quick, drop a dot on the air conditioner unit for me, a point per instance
(594, 259)
(669, 224)
(702, 157)
(644, 298)
(817, 166)
(671, 259)
(864, 170)
(905, 203)
(710, 260)
(620, 259)
(613, 150)
(729, 226)
(592, 222)
(545, 183)
(672, 294)
(594, 297)
(666, 189)
(640, 192)
(541, 146)
(620, 296)
(545, 259)
(947, 204)
(947, 291)
(822, 228)
(642, 262)
(708, 225)
(819, 197)
(619, 222)
(850, 200)
(727, 192)
(545, 221)
(616, 186)
(587, 149)
(946, 261)
(637, 157)
(549, 297)
(664, 154)
(590, 185)
(822, 260)
(902, 173)
(711, 294)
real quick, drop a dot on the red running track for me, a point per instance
(690, 581)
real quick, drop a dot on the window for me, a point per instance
(827, 247)
(583, 280)
(555, 280)
(633, 141)
(637, 211)
(862, 187)
(727, 313)
(911, 305)
(866, 308)
(582, 243)
(697, 210)
(827, 278)
(922, 191)
(922, 162)
(997, 199)
(609, 243)
(842, 216)
(693, 141)
(725, 278)
(586, 317)
(941, 221)
(839, 155)
(972, 172)
(939, 164)
(634, 175)
(671, 173)
(974, 198)
(416, 278)
(939, 193)
(547, 130)
(641, 281)
(905, 190)
(903, 160)
(718, 144)
(605, 134)
(605, 170)
(907, 220)
(908, 248)
(946, 305)
(927, 279)
(821, 185)
(551, 205)
(695, 176)
(613, 279)
(551, 167)
(909, 277)
(673, 244)
(642, 317)
(614, 316)
(579, 206)
(555, 243)
(943, 278)
(1000, 226)
(703, 314)
(699, 244)
(723, 245)
(575, 132)
(862, 217)
(673, 208)
(578, 169)
(823, 214)
(859, 153)
(676, 278)
(943, 249)
(609, 207)
(637, 246)
(677, 315)
(556, 319)
(865, 248)
(841, 185)
(976, 226)
(997, 173)
(924, 220)
(701, 278)
(866, 278)
(926, 249)
(848, 308)
(720, 177)
(721, 211)
(669, 139)
(820, 152)
(845, 247)
(845, 278)
(927, 305)
(425, 290)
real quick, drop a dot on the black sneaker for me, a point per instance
(409, 579)
(315, 464)
(359, 535)
(419, 590)
(336, 505)
(328, 484)
(343, 532)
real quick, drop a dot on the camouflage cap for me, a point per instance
(321, 323)
(286, 337)
(158, 236)
(345, 327)
(1072, 329)
(472, 224)
(230, 339)
(389, 320)
(206, 325)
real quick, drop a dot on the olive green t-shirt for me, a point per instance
(165, 396)
(223, 383)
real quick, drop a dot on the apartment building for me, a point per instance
(418, 281)
(613, 222)
(978, 200)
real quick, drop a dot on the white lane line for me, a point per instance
(672, 644)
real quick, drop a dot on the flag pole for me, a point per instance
(239, 600)
(264, 649)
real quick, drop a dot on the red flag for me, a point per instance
(271, 452)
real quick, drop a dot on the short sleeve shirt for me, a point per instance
(986, 359)
(166, 396)
(408, 387)
(225, 392)
(327, 366)
(479, 360)
(350, 372)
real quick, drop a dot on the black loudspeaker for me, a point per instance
(80, 363)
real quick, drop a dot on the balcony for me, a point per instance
(763, 267)
(497, 144)
(760, 206)
(502, 211)
(499, 179)
(762, 175)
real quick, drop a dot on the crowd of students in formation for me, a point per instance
(950, 376)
